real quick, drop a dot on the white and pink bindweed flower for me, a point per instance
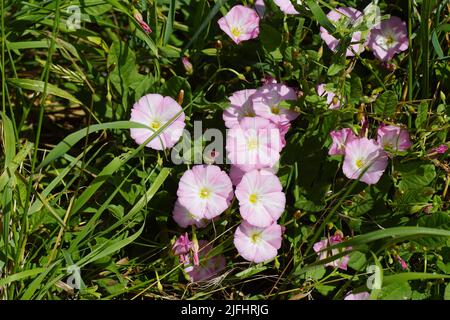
(240, 23)
(184, 218)
(261, 199)
(155, 111)
(257, 244)
(241, 106)
(208, 265)
(357, 296)
(333, 100)
(344, 17)
(393, 138)
(236, 173)
(255, 144)
(366, 157)
(205, 190)
(321, 249)
(267, 103)
(286, 6)
(340, 139)
(388, 38)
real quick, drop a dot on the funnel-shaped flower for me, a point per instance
(340, 139)
(388, 38)
(261, 199)
(205, 190)
(240, 107)
(393, 138)
(155, 111)
(255, 144)
(366, 157)
(240, 24)
(268, 99)
(257, 244)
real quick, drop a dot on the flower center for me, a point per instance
(235, 31)
(255, 237)
(204, 193)
(252, 144)
(360, 163)
(155, 124)
(275, 109)
(390, 40)
(253, 198)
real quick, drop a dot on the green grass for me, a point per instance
(76, 190)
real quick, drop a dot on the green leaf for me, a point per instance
(396, 291)
(335, 69)
(357, 260)
(250, 271)
(447, 292)
(21, 275)
(9, 140)
(107, 248)
(125, 74)
(37, 85)
(169, 22)
(386, 104)
(422, 115)
(415, 175)
(320, 16)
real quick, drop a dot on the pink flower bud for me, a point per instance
(187, 65)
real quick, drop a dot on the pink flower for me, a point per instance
(184, 218)
(240, 107)
(332, 99)
(388, 38)
(257, 244)
(402, 262)
(240, 24)
(393, 138)
(441, 149)
(260, 7)
(205, 190)
(364, 155)
(261, 199)
(284, 128)
(343, 17)
(267, 100)
(187, 65)
(138, 16)
(208, 266)
(182, 245)
(181, 248)
(286, 6)
(340, 263)
(236, 173)
(255, 144)
(268, 79)
(357, 296)
(154, 110)
(340, 139)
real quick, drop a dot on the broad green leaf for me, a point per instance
(396, 291)
(386, 104)
(415, 175)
